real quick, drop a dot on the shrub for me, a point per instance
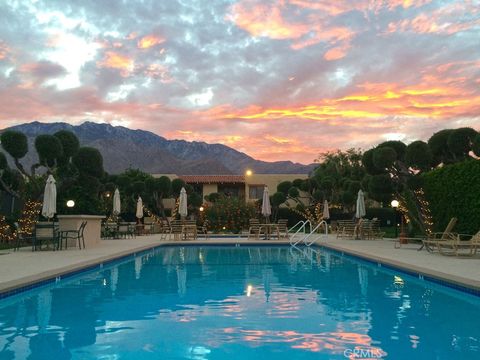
(230, 213)
(386, 216)
(453, 191)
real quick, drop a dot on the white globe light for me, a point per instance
(70, 203)
(394, 203)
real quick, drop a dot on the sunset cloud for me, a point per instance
(149, 41)
(117, 61)
(276, 79)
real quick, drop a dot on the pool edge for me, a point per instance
(24, 284)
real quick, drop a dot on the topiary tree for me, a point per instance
(89, 161)
(177, 185)
(49, 150)
(460, 142)
(70, 146)
(160, 188)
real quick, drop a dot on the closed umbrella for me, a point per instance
(139, 212)
(49, 207)
(182, 206)
(326, 211)
(266, 208)
(360, 211)
(116, 203)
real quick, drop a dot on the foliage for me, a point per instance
(229, 214)
(49, 149)
(89, 161)
(419, 156)
(177, 185)
(14, 143)
(386, 216)
(453, 191)
(70, 145)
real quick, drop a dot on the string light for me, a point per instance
(26, 223)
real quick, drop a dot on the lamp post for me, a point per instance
(395, 204)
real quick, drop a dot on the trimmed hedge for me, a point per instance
(454, 191)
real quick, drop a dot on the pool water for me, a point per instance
(240, 303)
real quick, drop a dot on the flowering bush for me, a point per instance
(229, 214)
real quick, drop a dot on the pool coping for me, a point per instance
(23, 284)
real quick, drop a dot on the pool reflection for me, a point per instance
(304, 302)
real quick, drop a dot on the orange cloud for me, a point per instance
(431, 98)
(266, 21)
(149, 41)
(440, 21)
(261, 20)
(117, 61)
(336, 53)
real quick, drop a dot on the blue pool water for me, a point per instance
(240, 303)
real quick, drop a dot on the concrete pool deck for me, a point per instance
(24, 267)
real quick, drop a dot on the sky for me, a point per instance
(278, 80)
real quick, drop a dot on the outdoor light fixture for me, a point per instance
(70, 203)
(249, 172)
(395, 204)
(201, 208)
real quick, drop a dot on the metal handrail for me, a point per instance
(302, 227)
(300, 223)
(305, 238)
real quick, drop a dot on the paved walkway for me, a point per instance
(25, 267)
(464, 271)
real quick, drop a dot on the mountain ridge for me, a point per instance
(153, 153)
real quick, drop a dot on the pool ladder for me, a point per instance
(305, 239)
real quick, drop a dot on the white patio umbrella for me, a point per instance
(360, 209)
(266, 208)
(116, 202)
(139, 212)
(182, 206)
(49, 207)
(326, 211)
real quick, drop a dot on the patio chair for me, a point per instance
(346, 229)
(283, 229)
(76, 235)
(433, 239)
(203, 230)
(45, 233)
(126, 230)
(176, 229)
(254, 228)
(189, 230)
(372, 230)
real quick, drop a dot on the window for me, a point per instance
(255, 191)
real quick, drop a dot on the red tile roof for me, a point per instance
(213, 179)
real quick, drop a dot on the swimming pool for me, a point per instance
(240, 303)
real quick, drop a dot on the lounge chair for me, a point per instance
(461, 245)
(433, 239)
(372, 230)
